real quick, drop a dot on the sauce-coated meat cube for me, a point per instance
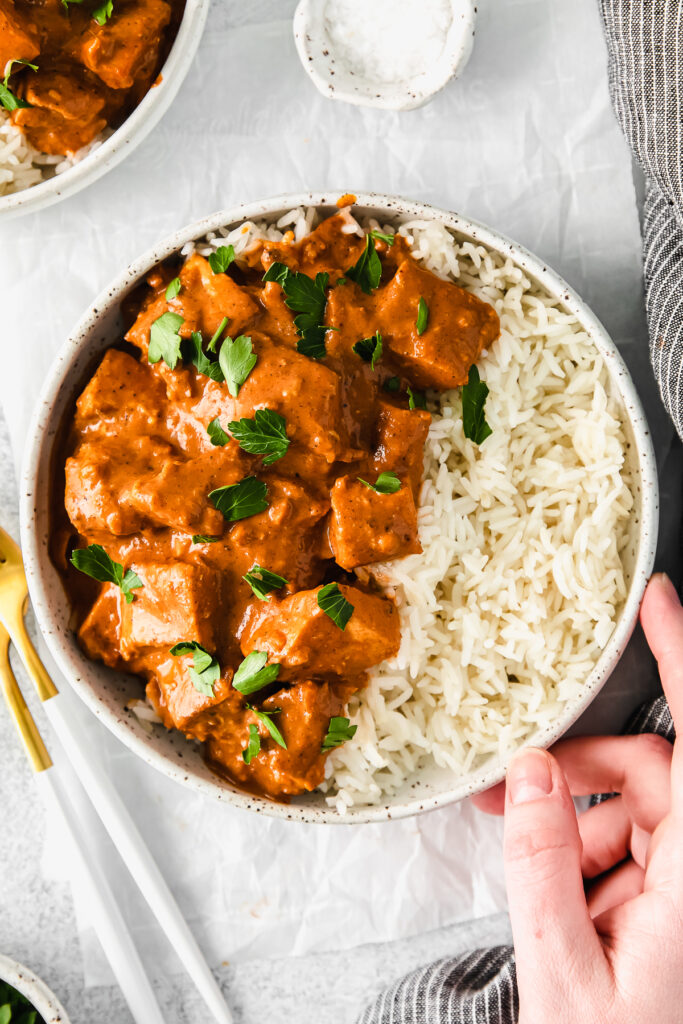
(399, 442)
(460, 325)
(126, 47)
(66, 110)
(176, 700)
(18, 37)
(176, 602)
(302, 638)
(369, 527)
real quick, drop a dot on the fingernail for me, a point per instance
(662, 580)
(529, 776)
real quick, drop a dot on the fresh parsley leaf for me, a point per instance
(422, 316)
(367, 272)
(5, 1014)
(205, 672)
(94, 561)
(211, 347)
(193, 349)
(216, 433)
(386, 483)
(416, 399)
(473, 400)
(370, 349)
(253, 747)
(392, 384)
(172, 289)
(164, 340)
(220, 260)
(238, 501)
(8, 99)
(102, 13)
(262, 581)
(253, 674)
(333, 603)
(237, 360)
(338, 731)
(265, 717)
(200, 538)
(308, 298)
(264, 435)
(341, 280)
(389, 239)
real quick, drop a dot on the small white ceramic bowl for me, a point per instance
(35, 990)
(130, 134)
(335, 79)
(107, 692)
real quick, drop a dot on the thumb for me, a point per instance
(552, 929)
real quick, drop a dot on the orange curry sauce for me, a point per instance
(88, 75)
(141, 466)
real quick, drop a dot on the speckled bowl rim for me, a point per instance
(314, 55)
(129, 135)
(35, 989)
(76, 666)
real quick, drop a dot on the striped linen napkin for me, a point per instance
(645, 49)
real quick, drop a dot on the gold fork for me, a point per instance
(36, 750)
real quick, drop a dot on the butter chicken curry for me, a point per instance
(72, 67)
(257, 437)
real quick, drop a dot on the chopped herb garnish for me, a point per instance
(392, 384)
(94, 561)
(205, 672)
(308, 298)
(341, 280)
(264, 435)
(211, 347)
(389, 239)
(7, 98)
(386, 483)
(265, 717)
(338, 731)
(237, 360)
(253, 747)
(262, 581)
(198, 357)
(238, 501)
(164, 340)
(253, 674)
(15, 1007)
(473, 400)
(367, 272)
(370, 349)
(172, 289)
(220, 260)
(216, 433)
(416, 399)
(200, 538)
(333, 603)
(422, 316)
(102, 13)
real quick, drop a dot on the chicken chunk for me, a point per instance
(127, 46)
(176, 602)
(399, 443)
(369, 527)
(302, 638)
(124, 391)
(177, 701)
(302, 713)
(459, 327)
(332, 247)
(18, 37)
(100, 631)
(66, 109)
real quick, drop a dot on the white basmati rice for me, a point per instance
(516, 593)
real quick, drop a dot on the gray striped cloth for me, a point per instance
(480, 987)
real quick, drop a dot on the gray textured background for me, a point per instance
(37, 923)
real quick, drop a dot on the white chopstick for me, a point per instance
(106, 917)
(137, 858)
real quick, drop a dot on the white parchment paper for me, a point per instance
(525, 141)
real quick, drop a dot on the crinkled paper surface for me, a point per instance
(525, 141)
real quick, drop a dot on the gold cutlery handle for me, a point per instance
(28, 654)
(23, 719)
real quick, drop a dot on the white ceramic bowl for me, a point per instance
(130, 134)
(107, 692)
(35, 990)
(334, 79)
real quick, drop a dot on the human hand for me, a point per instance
(617, 956)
